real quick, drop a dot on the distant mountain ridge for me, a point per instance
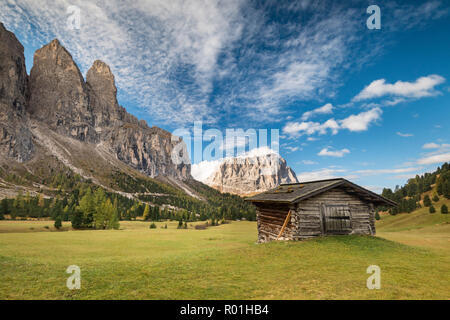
(247, 174)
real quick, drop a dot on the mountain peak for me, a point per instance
(101, 67)
(101, 79)
(55, 47)
(104, 93)
(256, 171)
(55, 43)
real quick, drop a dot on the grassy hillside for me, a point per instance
(418, 228)
(411, 222)
(218, 263)
(418, 219)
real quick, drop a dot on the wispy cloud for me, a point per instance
(438, 158)
(164, 53)
(326, 152)
(292, 149)
(433, 145)
(430, 145)
(438, 153)
(326, 173)
(308, 162)
(387, 171)
(326, 109)
(405, 135)
(406, 15)
(202, 60)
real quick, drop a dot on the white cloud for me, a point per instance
(309, 128)
(422, 87)
(329, 153)
(292, 149)
(326, 109)
(177, 59)
(393, 102)
(431, 145)
(439, 158)
(203, 170)
(146, 43)
(356, 123)
(409, 15)
(322, 174)
(437, 153)
(384, 171)
(361, 122)
(308, 162)
(405, 135)
(376, 189)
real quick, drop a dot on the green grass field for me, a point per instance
(223, 262)
(419, 228)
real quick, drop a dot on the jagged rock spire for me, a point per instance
(15, 137)
(58, 93)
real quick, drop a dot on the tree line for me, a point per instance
(410, 195)
(89, 206)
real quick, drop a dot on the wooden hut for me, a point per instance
(317, 208)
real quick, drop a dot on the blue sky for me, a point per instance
(369, 105)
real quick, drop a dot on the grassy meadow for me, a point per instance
(224, 262)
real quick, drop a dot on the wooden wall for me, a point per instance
(270, 219)
(306, 218)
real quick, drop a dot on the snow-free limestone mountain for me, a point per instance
(250, 174)
(15, 136)
(55, 102)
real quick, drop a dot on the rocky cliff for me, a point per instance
(57, 99)
(245, 175)
(15, 137)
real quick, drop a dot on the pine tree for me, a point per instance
(444, 209)
(427, 201)
(440, 187)
(58, 223)
(112, 216)
(41, 201)
(446, 189)
(435, 198)
(77, 219)
(432, 209)
(3, 208)
(146, 212)
(377, 216)
(87, 207)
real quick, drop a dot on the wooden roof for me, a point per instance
(293, 193)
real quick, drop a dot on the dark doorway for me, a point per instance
(336, 219)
